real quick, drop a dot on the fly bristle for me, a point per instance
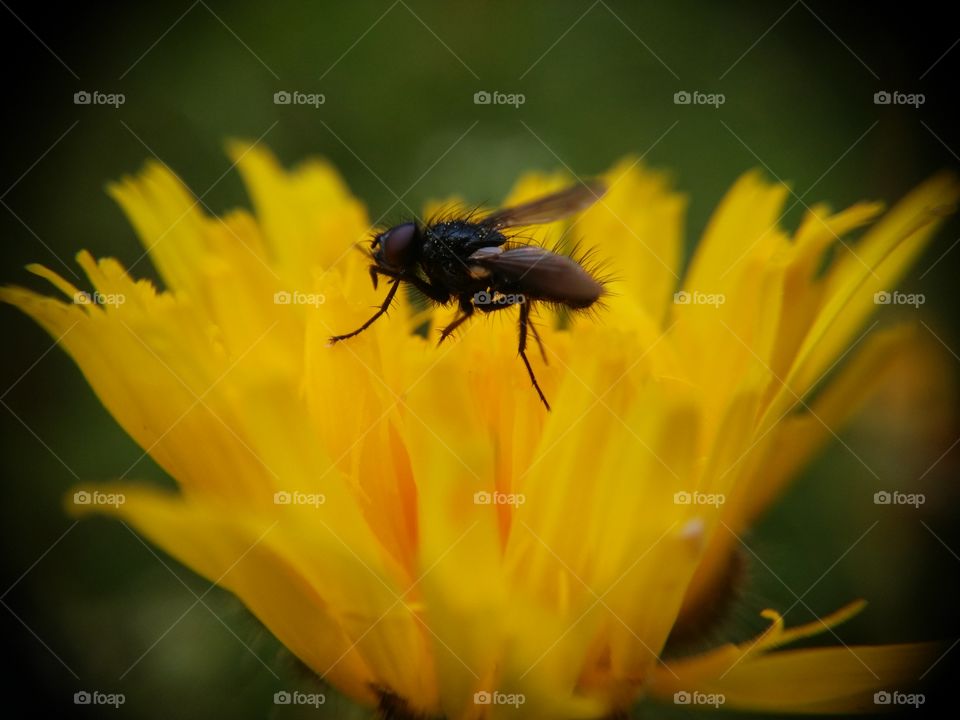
(365, 247)
(597, 267)
(519, 239)
(589, 259)
(456, 211)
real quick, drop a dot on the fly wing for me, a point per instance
(548, 208)
(541, 275)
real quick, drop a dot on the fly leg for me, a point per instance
(383, 308)
(536, 336)
(524, 322)
(431, 291)
(466, 310)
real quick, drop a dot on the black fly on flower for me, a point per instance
(480, 265)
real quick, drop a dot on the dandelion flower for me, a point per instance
(410, 522)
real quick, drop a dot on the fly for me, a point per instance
(478, 264)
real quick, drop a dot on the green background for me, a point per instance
(399, 79)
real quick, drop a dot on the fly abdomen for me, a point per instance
(541, 275)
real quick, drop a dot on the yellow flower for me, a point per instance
(409, 520)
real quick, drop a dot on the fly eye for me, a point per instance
(398, 244)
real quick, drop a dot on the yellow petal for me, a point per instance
(252, 557)
(814, 680)
(308, 216)
(636, 230)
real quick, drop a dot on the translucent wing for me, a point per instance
(548, 208)
(541, 275)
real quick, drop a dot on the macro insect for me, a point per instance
(480, 265)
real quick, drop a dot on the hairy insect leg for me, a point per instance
(466, 310)
(383, 308)
(536, 336)
(524, 321)
(533, 327)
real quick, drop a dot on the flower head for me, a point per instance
(409, 521)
